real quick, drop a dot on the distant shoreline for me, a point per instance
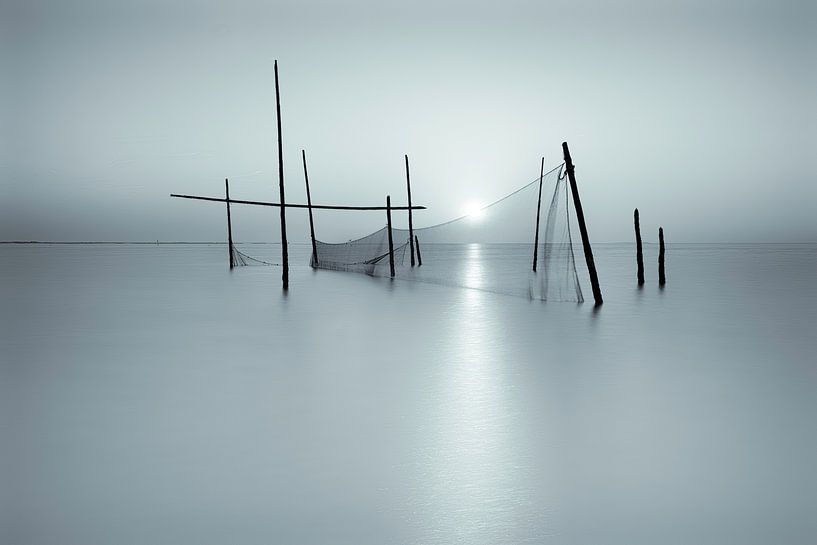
(154, 243)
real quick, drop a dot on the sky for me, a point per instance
(701, 114)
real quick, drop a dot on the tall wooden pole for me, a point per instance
(538, 210)
(391, 240)
(639, 254)
(411, 224)
(419, 255)
(661, 278)
(284, 250)
(311, 222)
(229, 223)
(588, 251)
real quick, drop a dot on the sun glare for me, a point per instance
(473, 210)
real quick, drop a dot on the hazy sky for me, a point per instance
(700, 113)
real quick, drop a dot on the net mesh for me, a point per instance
(369, 254)
(240, 259)
(558, 279)
(490, 248)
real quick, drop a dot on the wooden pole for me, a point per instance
(289, 205)
(411, 224)
(577, 203)
(419, 255)
(391, 241)
(639, 254)
(661, 278)
(311, 222)
(284, 250)
(229, 223)
(538, 209)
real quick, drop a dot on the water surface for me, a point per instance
(150, 395)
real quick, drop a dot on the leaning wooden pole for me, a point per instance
(577, 203)
(391, 240)
(229, 223)
(311, 222)
(411, 224)
(284, 251)
(639, 253)
(661, 278)
(419, 255)
(538, 210)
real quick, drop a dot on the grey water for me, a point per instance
(150, 395)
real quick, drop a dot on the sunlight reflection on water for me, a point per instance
(149, 392)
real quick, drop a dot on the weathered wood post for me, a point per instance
(311, 222)
(538, 210)
(284, 249)
(229, 223)
(419, 255)
(411, 224)
(639, 254)
(661, 278)
(577, 203)
(391, 240)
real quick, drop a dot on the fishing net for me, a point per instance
(558, 279)
(369, 254)
(240, 259)
(252, 219)
(489, 248)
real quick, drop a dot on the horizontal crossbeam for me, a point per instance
(288, 205)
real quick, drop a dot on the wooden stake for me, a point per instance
(229, 223)
(661, 278)
(284, 250)
(538, 209)
(391, 241)
(311, 223)
(639, 254)
(419, 255)
(577, 203)
(411, 225)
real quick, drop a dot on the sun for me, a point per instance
(473, 210)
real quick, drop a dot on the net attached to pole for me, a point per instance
(252, 254)
(368, 255)
(240, 259)
(558, 279)
(489, 249)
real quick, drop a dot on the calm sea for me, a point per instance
(150, 396)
